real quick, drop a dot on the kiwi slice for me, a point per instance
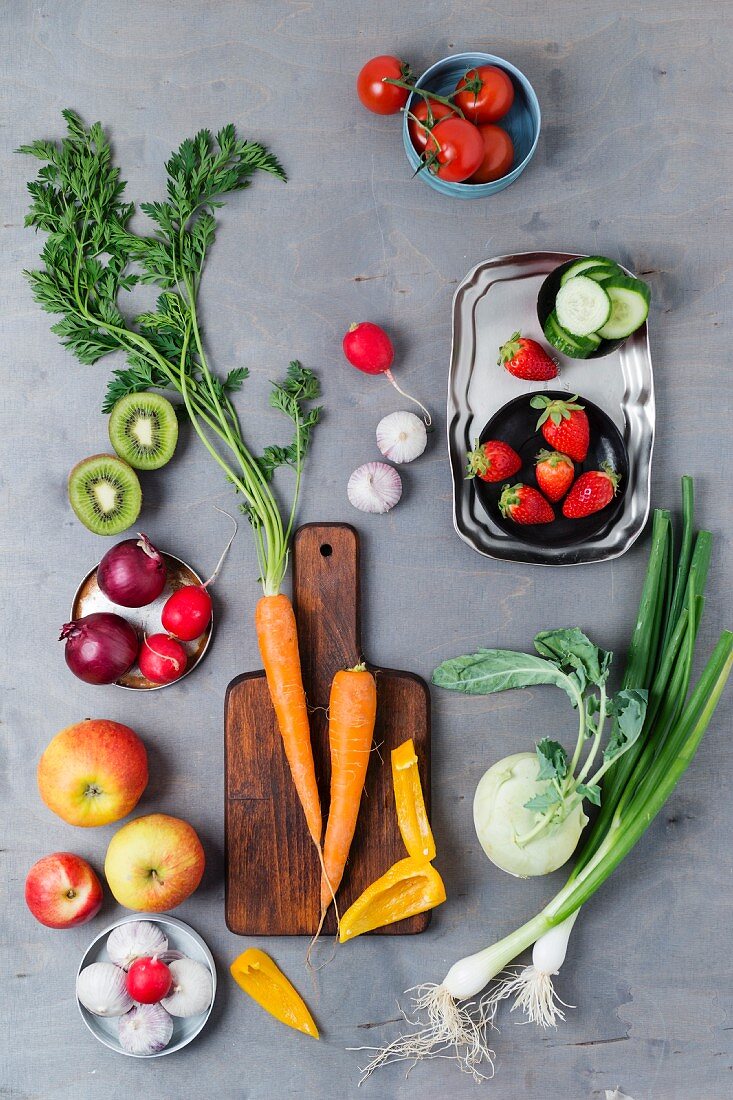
(105, 494)
(143, 429)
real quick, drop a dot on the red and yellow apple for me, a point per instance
(62, 890)
(154, 863)
(93, 772)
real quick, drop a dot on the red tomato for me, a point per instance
(489, 95)
(498, 154)
(419, 134)
(454, 150)
(376, 96)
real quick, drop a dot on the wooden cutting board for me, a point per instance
(272, 868)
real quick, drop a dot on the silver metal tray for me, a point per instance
(496, 299)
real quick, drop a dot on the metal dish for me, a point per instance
(522, 122)
(180, 938)
(89, 597)
(496, 298)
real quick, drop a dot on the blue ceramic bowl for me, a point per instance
(522, 122)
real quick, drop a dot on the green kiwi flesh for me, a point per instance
(143, 429)
(105, 494)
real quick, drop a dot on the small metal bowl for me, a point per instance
(522, 122)
(515, 423)
(180, 938)
(89, 598)
(546, 303)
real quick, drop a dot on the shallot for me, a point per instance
(132, 573)
(101, 989)
(401, 436)
(374, 487)
(134, 938)
(192, 988)
(145, 1029)
(100, 647)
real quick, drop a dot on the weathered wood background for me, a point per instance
(634, 161)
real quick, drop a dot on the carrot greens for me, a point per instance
(92, 258)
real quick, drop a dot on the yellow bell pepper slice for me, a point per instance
(258, 975)
(411, 886)
(412, 816)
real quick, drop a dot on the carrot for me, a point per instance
(352, 711)
(278, 641)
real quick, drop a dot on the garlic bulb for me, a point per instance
(101, 988)
(193, 988)
(401, 436)
(374, 487)
(133, 939)
(145, 1029)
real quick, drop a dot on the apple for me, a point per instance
(154, 863)
(62, 890)
(93, 772)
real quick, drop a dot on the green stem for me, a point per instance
(446, 100)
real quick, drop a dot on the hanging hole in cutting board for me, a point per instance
(326, 550)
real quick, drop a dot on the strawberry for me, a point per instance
(564, 425)
(525, 505)
(555, 474)
(492, 461)
(526, 359)
(591, 492)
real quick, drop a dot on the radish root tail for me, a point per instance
(427, 417)
(448, 1029)
(533, 994)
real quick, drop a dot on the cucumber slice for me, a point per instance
(576, 347)
(629, 307)
(582, 306)
(583, 265)
(602, 274)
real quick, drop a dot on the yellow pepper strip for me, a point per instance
(258, 975)
(412, 816)
(411, 886)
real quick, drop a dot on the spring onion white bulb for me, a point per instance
(135, 939)
(374, 487)
(401, 436)
(192, 988)
(145, 1029)
(101, 989)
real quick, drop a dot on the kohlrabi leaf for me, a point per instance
(491, 670)
(553, 759)
(543, 802)
(628, 708)
(591, 791)
(571, 649)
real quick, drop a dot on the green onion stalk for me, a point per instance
(453, 1018)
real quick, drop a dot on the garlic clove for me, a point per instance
(374, 487)
(193, 988)
(401, 436)
(145, 1029)
(133, 939)
(101, 989)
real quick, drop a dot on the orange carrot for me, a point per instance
(352, 710)
(278, 641)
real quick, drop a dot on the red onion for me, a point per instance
(100, 647)
(132, 573)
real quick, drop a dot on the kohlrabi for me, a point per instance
(528, 809)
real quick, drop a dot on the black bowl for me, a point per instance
(515, 423)
(546, 304)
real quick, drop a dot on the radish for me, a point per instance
(148, 980)
(162, 659)
(187, 612)
(368, 348)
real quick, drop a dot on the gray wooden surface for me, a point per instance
(634, 161)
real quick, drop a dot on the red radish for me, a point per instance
(148, 980)
(187, 612)
(162, 659)
(369, 349)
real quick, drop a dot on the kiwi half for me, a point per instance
(143, 429)
(105, 494)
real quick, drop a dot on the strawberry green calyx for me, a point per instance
(555, 458)
(510, 498)
(611, 474)
(556, 410)
(512, 347)
(478, 462)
